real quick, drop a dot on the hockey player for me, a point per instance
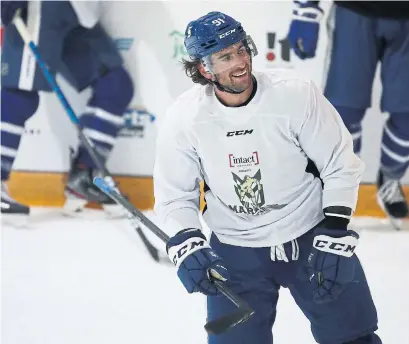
(364, 33)
(72, 42)
(240, 130)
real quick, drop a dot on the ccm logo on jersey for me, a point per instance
(344, 246)
(227, 33)
(239, 132)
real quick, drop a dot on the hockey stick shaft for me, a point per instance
(217, 326)
(105, 187)
(89, 146)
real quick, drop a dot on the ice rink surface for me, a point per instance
(89, 280)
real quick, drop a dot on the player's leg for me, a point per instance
(92, 60)
(395, 100)
(21, 79)
(353, 55)
(352, 119)
(250, 278)
(16, 107)
(48, 22)
(351, 318)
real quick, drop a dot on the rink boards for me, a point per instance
(47, 189)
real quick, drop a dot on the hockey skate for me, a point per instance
(80, 190)
(392, 200)
(13, 212)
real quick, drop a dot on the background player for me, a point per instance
(72, 42)
(239, 126)
(364, 33)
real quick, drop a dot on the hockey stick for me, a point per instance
(243, 313)
(89, 146)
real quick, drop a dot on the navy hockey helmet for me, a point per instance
(213, 32)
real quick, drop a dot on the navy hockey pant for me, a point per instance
(257, 278)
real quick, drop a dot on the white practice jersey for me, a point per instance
(253, 161)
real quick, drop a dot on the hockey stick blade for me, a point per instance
(153, 251)
(228, 321)
(111, 192)
(244, 311)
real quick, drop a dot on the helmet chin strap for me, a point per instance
(222, 88)
(225, 89)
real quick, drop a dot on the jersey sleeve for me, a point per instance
(328, 143)
(176, 177)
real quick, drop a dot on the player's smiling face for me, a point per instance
(232, 67)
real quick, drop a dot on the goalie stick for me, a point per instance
(90, 147)
(243, 313)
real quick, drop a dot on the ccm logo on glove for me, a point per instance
(344, 246)
(179, 252)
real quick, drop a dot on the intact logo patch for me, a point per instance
(243, 161)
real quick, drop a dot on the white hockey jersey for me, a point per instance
(253, 160)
